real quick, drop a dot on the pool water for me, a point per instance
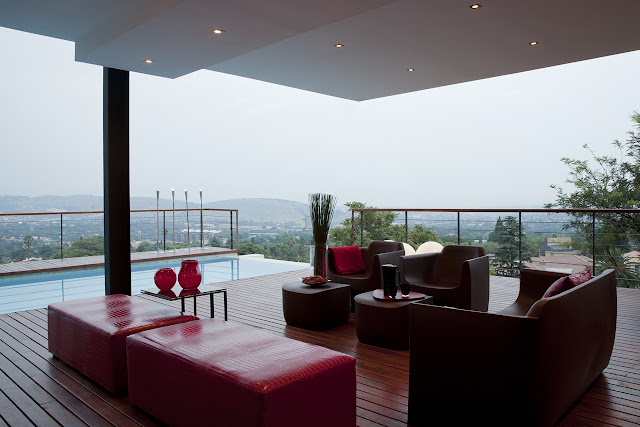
(29, 291)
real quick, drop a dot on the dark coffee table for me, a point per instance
(177, 293)
(316, 307)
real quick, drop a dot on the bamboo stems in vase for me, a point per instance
(321, 208)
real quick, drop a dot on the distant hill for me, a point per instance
(19, 204)
(256, 210)
(265, 210)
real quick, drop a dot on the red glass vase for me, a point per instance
(165, 278)
(189, 276)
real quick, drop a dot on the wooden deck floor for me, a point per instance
(41, 266)
(37, 389)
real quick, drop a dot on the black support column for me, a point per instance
(117, 255)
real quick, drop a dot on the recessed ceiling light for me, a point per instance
(218, 31)
(475, 6)
(339, 45)
(149, 61)
(533, 43)
(411, 69)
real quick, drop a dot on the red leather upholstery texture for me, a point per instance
(212, 372)
(89, 334)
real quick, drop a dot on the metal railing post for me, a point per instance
(593, 242)
(353, 224)
(61, 245)
(361, 228)
(458, 227)
(406, 226)
(519, 240)
(230, 230)
(237, 233)
(164, 230)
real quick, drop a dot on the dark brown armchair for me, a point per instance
(523, 366)
(458, 276)
(376, 254)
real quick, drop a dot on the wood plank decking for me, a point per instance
(41, 266)
(37, 389)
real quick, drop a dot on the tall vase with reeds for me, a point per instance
(321, 208)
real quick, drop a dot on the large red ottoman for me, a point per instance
(89, 334)
(211, 372)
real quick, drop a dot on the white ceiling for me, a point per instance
(291, 42)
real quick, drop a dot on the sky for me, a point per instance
(493, 143)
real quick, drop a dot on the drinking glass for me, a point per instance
(405, 288)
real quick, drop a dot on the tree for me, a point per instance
(508, 243)
(85, 247)
(28, 241)
(378, 226)
(146, 247)
(215, 242)
(607, 182)
(47, 252)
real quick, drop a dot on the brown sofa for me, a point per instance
(523, 366)
(377, 253)
(458, 276)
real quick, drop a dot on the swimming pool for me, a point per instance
(29, 291)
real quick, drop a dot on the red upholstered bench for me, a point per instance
(89, 334)
(211, 372)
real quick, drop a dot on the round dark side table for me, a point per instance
(384, 323)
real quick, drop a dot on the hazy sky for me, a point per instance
(486, 144)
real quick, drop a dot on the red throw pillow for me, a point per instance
(567, 282)
(558, 287)
(580, 277)
(348, 260)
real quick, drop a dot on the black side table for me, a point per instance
(177, 292)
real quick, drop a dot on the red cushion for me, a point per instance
(348, 260)
(236, 375)
(558, 287)
(580, 277)
(567, 282)
(89, 334)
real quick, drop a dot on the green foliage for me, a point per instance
(85, 247)
(285, 247)
(607, 182)
(28, 241)
(378, 226)
(505, 243)
(48, 252)
(146, 247)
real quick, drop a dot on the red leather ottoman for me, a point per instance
(89, 334)
(212, 372)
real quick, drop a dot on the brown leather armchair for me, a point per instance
(523, 366)
(458, 276)
(378, 252)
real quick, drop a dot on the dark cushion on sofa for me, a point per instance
(348, 260)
